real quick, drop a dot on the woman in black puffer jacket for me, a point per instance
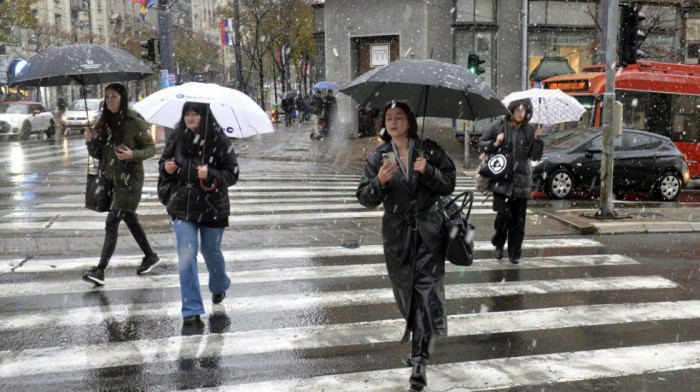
(510, 195)
(197, 156)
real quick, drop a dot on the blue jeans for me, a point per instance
(187, 244)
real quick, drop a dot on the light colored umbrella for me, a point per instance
(236, 113)
(324, 86)
(549, 106)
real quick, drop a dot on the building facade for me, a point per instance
(354, 36)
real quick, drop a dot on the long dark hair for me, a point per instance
(412, 123)
(208, 121)
(114, 120)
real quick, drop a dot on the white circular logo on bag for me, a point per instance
(497, 163)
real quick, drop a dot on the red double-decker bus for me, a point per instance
(657, 97)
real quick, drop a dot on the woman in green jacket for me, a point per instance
(120, 141)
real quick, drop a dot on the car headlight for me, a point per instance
(538, 162)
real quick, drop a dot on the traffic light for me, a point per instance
(631, 36)
(150, 54)
(473, 62)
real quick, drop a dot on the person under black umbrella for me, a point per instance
(121, 142)
(408, 175)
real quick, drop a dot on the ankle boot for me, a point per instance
(418, 378)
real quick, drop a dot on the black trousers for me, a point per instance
(114, 217)
(509, 223)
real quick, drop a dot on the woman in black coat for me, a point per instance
(199, 161)
(510, 195)
(408, 175)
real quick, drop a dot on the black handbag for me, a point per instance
(500, 165)
(459, 233)
(98, 191)
(165, 189)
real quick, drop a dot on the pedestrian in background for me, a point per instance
(287, 107)
(330, 110)
(316, 110)
(199, 150)
(121, 142)
(301, 108)
(510, 195)
(408, 175)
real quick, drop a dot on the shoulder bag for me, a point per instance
(459, 233)
(98, 190)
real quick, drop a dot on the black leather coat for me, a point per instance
(190, 201)
(407, 205)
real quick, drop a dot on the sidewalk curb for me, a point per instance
(579, 225)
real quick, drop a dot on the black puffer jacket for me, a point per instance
(191, 202)
(525, 148)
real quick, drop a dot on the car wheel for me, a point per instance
(51, 130)
(25, 131)
(559, 184)
(668, 187)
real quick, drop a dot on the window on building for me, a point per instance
(566, 28)
(57, 20)
(558, 12)
(478, 11)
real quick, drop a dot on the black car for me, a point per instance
(643, 162)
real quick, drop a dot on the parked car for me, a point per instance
(20, 119)
(643, 162)
(76, 117)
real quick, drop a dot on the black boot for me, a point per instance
(418, 378)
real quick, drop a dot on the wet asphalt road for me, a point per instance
(310, 307)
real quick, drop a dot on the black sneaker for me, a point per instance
(148, 263)
(217, 298)
(96, 276)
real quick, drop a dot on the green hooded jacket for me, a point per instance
(127, 176)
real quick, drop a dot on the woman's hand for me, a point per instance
(170, 166)
(499, 139)
(89, 134)
(538, 132)
(124, 153)
(202, 172)
(387, 171)
(420, 164)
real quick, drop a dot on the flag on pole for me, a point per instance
(226, 32)
(145, 5)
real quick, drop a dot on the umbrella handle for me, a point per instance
(204, 149)
(207, 189)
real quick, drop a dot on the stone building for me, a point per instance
(354, 36)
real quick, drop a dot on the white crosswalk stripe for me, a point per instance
(323, 304)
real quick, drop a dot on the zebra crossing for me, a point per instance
(319, 315)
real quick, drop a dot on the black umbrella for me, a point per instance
(80, 64)
(433, 88)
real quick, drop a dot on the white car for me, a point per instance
(76, 117)
(22, 118)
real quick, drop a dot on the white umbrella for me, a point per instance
(237, 113)
(549, 106)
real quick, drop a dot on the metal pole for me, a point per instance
(237, 48)
(165, 37)
(606, 164)
(523, 61)
(467, 126)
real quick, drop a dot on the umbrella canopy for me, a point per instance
(289, 94)
(236, 112)
(80, 64)
(549, 106)
(324, 86)
(433, 88)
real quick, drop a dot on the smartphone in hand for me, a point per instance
(389, 156)
(120, 147)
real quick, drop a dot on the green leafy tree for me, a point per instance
(195, 54)
(16, 14)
